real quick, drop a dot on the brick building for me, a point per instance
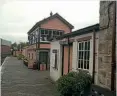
(39, 36)
(5, 49)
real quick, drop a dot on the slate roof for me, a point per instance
(80, 31)
(49, 18)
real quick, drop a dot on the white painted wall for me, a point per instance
(0, 51)
(75, 50)
(74, 58)
(54, 73)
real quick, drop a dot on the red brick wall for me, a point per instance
(45, 46)
(56, 24)
(5, 49)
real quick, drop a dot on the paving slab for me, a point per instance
(18, 80)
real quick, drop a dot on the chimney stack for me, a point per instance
(51, 13)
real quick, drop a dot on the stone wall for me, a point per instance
(105, 43)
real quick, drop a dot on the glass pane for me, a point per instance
(88, 54)
(48, 37)
(85, 55)
(46, 32)
(42, 37)
(79, 46)
(85, 63)
(42, 31)
(54, 32)
(88, 45)
(82, 46)
(58, 33)
(81, 54)
(81, 63)
(50, 33)
(78, 63)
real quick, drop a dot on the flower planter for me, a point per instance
(34, 66)
(42, 67)
(25, 62)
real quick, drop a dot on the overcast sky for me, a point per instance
(18, 16)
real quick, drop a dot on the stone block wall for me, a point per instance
(105, 43)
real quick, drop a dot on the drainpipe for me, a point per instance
(38, 48)
(94, 37)
(113, 64)
(68, 55)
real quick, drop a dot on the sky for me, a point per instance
(17, 17)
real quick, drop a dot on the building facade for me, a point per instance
(39, 36)
(107, 37)
(75, 51)
(5, 49)
(91, 48)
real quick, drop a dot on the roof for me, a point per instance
(49, 18)
(85, 30)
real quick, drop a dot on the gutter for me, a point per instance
(113, 63)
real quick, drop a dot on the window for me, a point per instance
(46, 34)
(32, 55)
(56, 61)
(29, 55)
(55, 58)
(83, 54)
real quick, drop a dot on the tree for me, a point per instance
(14, 46)
(19, 46)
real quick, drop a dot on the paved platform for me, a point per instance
(18, 80)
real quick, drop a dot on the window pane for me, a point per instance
(88, 55)
(48, 37)
(58, 33)
(42, 31)
(42, 37)
(81, 54)
(85, 45)
(88, 45)
(50, 33)
(54, 32)
(79, 46)
(85, 55)
(46, 32)
(82, 46)
(81, 63)
(85, 64)
(78, 63)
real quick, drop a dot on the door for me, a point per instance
(43, 58)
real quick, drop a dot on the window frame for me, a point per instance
(29, 55)
(55, 53)
(83, 59)
(50, 35)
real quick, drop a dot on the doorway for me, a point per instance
(44, 58)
